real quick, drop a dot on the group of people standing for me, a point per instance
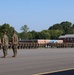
(5, 44)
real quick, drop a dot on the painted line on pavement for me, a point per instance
(54, 71)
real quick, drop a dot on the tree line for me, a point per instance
(53, 32)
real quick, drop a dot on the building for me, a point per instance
(68, 38)
(41, 41)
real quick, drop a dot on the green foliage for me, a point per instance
(6, 27)
(53, 32)
(66, 27)
(25, 30)
(55, 27)
(34, 34)
(45, 34)
(30, 35)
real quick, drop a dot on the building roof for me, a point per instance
(67, 36)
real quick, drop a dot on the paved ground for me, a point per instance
(68, 72)
(35, 61)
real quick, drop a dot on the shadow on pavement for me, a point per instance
(68, 72)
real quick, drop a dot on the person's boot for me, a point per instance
(14, 56)
(4, 56)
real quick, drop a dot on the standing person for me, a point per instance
(14, 43)
(5, 44)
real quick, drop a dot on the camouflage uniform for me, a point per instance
(14, 44)
(5, 44)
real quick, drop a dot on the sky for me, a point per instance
(38, 15)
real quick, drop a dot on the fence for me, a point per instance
(37, 45)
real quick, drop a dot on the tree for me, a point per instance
(54, 34)
(30, 35)
(8, 29)
(44, 34)
(5, 27)
(0, 32)
(34, 34)
(56, 27)
(66, 26)
(25, 28)
(25, 31)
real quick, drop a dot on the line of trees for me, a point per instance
(53, 31)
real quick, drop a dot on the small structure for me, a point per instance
(41, 41)
(68, 38)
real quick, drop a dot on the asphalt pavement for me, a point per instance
(35, 61)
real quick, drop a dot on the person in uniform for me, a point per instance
(14, 43)
(5, 44)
